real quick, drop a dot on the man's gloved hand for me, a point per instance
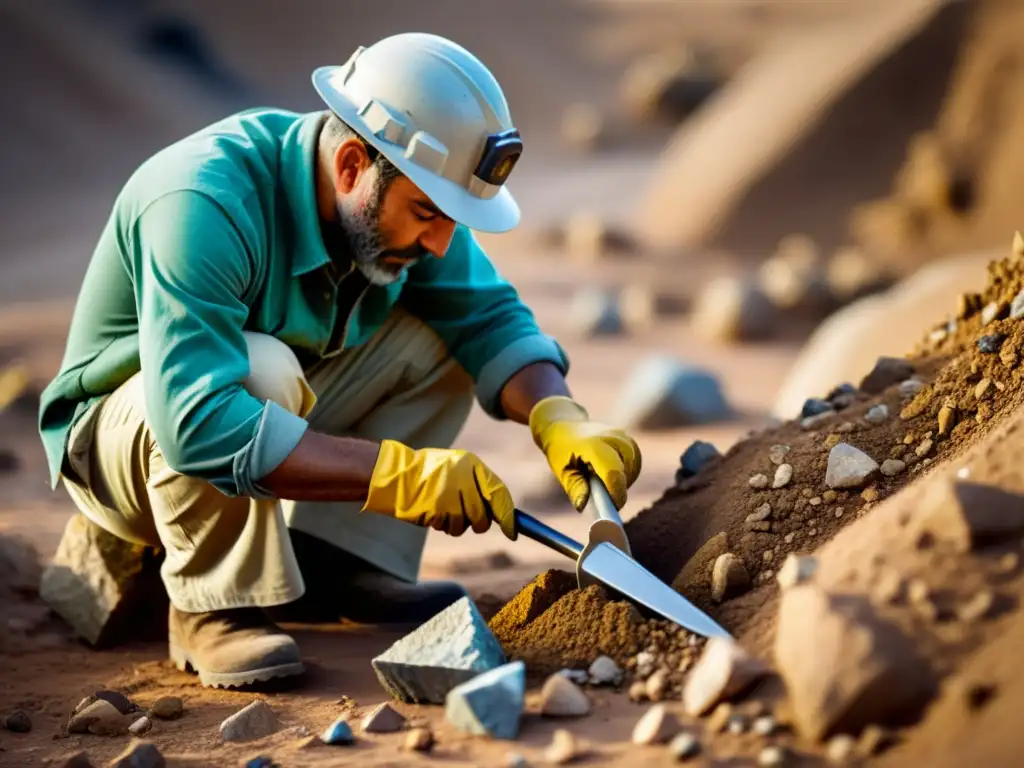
(571, 441)
(447, 490)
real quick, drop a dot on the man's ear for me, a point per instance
(350, 162)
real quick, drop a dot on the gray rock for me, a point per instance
(252, 722)
(877, 414)
(490, 704)
(684, 746)
(990, 343)
(121, 702)
(657, 726)
(892, 467)
(339, 733)
(695, 457)
(813, 422)
(844, 666)
(139, 754)
(562, 698)
(848, 467)
(383, 719)
(595, 312)
(604, 671)
(733, 309)
(515, 760)
(729, 577)
(1017, 306)
(140, 726)
(887, 371)
(662, 393)
(105, 588)
(783, 474)
(451, 648)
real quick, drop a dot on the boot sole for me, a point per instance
(182, 662)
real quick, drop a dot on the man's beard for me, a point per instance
(361, 230)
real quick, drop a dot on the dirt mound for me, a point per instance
(908, 416)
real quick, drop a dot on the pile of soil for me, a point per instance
(963, 382)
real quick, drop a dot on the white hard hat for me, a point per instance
(436, 112)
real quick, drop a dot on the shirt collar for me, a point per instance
(298, 179)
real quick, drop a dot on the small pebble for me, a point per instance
(910, 387)
(638, 691)
(924, 448)
(261, 761)
(1017, 306)
(768, 555)
(515, 760)
(764, 726)
(783, 474)
(656, 685)
(758, 481)
(990, 343)
(947, 419)
(982, 388)
(977, 607)
(719, 717)
(771, 756)
(788, 538)
(874, 740)
(684, 746)
(578, 676)
(869, 494)
(657, 726)
(991, 311)
(892, 467)
(167, 708)
(144, 754)
(839, 512)
(877, 414)
(339, 732)
(840, 749)
(814, 501)
(777, 453)
(814, 407)
(419, 740)
(119, 700)
(18, 722)
(562, 698)
(763, 512)
(737, 725)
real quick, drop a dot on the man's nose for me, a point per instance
(438, 237)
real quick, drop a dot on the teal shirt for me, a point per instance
(219, 234)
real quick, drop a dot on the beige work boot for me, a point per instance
(231, 648)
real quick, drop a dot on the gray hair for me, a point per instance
(335, 131)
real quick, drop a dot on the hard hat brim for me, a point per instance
(496, 214)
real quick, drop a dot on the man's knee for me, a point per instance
(276, 374)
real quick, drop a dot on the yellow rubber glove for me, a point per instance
(575, 446)
(447, 490)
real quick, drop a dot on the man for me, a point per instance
(279, 336)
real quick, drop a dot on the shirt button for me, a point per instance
(327, 295)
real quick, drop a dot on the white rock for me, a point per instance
(910, 387)
(657, 726)
(140, 726)
(840, 749)
(604, 671)
(763, 512)
(783, 474)
(562, 749)
(729, 577)
(989, 313)
(758, 481)
(724, 670)
(656, 684)
(877, 414)
(764, 725)
(848, 467)
(771, 756)
(684, 746)
(252, 722)
(562, 698)
(796, 570)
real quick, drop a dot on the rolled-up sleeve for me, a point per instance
(191, 272)
(480, 317)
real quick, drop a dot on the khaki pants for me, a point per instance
(223, 552)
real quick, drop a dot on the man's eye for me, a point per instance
(425, 217)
